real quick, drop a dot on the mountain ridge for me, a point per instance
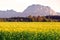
(34, 10)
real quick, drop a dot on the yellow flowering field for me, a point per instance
(29, 26)
(29, 30)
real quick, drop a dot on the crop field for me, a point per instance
(29, 31)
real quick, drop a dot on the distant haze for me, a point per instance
(21, 5)
(33, 10)
(38, 10)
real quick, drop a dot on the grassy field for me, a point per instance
(29, 31)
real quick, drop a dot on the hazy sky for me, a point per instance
(21, 5)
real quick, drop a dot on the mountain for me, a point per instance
(34, 10)
(38, 10)
(9, 13)
(58, 13)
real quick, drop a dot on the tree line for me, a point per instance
(32, 19)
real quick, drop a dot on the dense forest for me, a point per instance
(32, 19)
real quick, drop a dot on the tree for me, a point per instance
(29, 16)
(34, 18)
(38, 19)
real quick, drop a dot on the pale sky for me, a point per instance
(21, 5)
